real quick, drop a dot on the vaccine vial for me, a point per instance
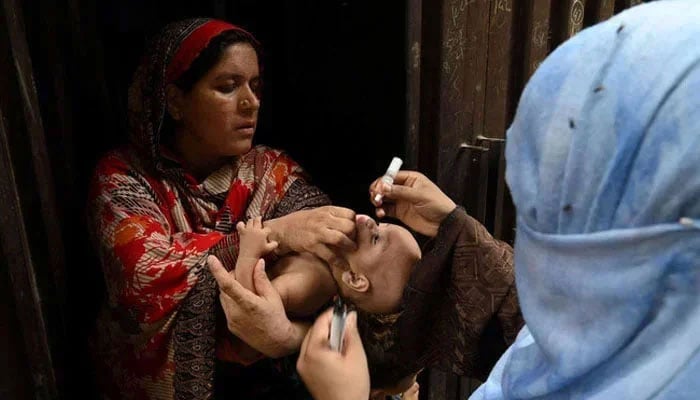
(389, 175)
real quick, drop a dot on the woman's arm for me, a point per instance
(472, 330)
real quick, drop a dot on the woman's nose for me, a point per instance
(249, 101)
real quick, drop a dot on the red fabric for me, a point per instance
(151, 252)
(190, 48)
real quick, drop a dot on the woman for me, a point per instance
(160, 206)
(602, 164)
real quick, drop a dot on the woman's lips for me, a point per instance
(246, 129)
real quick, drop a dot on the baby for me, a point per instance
(372, 277)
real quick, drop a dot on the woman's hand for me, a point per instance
(414, 199)
(319, 231)
(257, 319)
(328, 374)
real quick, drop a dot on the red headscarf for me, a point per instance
(193, 44)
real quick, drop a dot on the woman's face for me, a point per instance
(219, 115)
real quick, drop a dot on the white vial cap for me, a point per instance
(390, 174)
(394, 167)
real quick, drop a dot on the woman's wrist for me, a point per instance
(446, 207)
(277, 229)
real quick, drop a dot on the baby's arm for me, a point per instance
(304, 282)
(253, 245)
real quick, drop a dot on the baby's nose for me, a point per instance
(362, 219)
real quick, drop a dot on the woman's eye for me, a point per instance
(227, 88)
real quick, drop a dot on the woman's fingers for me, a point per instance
(320, 331)
(227, 282)
(338, 239)
(262, 283)
(351, 337)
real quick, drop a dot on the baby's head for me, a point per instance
(374, 276)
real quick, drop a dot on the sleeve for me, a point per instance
(464, 289)
(298, 191)
(148, 268)
(300, 196)
(482, 262)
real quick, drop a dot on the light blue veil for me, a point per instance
(603, 162)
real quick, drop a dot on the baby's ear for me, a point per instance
(357, 282)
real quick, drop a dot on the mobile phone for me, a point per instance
(340, 313)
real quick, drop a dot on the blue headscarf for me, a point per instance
(603, 162)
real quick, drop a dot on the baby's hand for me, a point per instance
(253, 239)
(252, 246)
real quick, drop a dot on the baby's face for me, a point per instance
(386, 254)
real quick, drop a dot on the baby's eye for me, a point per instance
(375, 238)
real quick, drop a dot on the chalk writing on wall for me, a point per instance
(576, 22)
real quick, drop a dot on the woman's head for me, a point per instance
(198, 91)
(374, 276)
(602, 165)
(214, 104)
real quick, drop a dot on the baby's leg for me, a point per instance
(304, 282)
